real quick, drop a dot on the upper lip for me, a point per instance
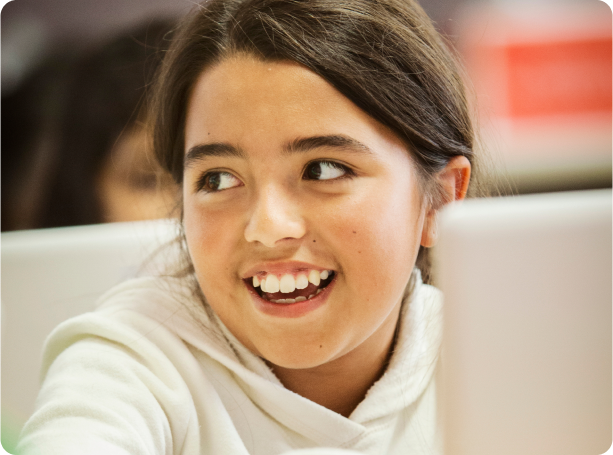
(279, 268)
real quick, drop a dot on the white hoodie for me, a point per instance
(152, 371)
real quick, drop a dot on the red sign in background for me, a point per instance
(558, 77)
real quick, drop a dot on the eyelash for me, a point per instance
(203, 181)
(348, 173)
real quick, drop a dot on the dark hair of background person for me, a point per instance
(385, 56)
(100, 97)
(27, 110)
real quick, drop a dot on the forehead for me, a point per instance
(237, 73)
(243, 79)
(245, 99)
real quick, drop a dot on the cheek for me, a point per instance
(377, 234)
(211, 236)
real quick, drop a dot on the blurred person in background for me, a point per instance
(27, 108)
(82, 156)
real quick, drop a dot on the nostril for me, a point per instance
(274, 218)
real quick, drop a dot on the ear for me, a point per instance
(453, 180)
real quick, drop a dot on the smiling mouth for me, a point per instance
(288, 289)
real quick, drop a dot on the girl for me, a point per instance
(314, 141)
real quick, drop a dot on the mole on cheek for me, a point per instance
(354, 232)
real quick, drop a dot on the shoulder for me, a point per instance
(149, 316)
(117, 376)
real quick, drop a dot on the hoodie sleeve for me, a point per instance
(108, 390)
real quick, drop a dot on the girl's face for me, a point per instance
(286, 180)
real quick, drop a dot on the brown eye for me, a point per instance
(219, 181)
(325, 170)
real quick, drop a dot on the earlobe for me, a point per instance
(453, 181)
(428, 234)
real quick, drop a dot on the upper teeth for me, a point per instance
(288, 283)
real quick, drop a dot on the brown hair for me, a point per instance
(84, 105)
(383, 55)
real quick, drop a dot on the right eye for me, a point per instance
(212, 182)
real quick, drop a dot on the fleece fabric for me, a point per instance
(153, 371)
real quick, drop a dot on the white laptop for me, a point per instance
(50, 275)
(526, 361)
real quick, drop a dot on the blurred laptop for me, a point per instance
(50, 275)
(526, 361)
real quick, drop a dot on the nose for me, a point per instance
(274, 217)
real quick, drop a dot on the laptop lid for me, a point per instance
(50, 275)
(526, 360)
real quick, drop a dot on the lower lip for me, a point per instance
(291, 310)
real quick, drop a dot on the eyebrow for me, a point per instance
(202, 151)
(300, 145)
(334, 141)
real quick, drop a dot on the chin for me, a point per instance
(300, 355)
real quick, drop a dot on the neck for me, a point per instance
(341, 384)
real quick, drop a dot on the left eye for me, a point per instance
(325, 170)
(218, 181)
